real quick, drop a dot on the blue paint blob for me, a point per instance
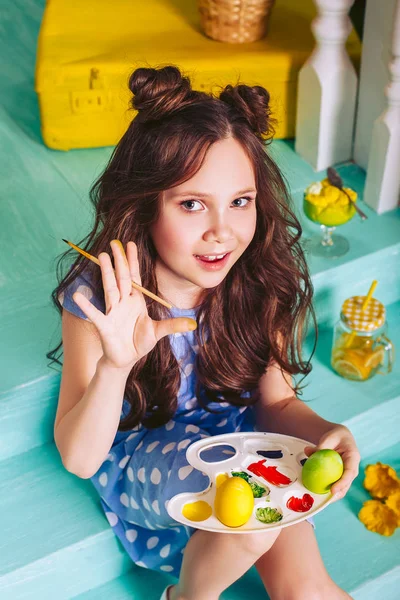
(270, 453)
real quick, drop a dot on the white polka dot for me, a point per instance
(152, 542)
(190, 413)
(140, 444)
(184, 472)
(242, 409)
(204, 416)
(146, 504)
(86, 291)
(166, 568)
(183, 444)
(129, 472)
(196, 348)
(155, 476)
(165, 551)
(131, 436)
(61, 298)
(222, 423)
(169, 473)
(141, 475)
(224, 404)
(192, 428)
(156, 507)
(204, 435)
(134, 504)
(122, 463)
(124, 499)
(110, 457)
(131, 535)
(188, 369)
(191, 403)
(148, 525)
(140, 563)
(170, 425)
(112, 518)
(168, 447)
(103, 479)
(151, 446)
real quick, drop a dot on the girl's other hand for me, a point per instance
(340, 438)
(126, 331)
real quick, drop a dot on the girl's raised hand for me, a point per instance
(126, 331)
(340, 438)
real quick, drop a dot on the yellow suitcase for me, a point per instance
(88, 48)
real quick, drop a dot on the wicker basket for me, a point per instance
(235, 21)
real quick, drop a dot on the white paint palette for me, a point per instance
(246, 453)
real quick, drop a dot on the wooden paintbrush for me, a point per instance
(134, 285)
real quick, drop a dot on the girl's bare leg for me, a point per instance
(293, 569)
(213, 561)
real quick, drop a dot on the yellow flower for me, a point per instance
(378, 517)
(393, 502)
(381, 480)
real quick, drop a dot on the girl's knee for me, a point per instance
(257, 544)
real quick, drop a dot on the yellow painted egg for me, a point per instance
(221, 477)
(234, 502)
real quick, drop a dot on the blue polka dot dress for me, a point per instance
(145, 468)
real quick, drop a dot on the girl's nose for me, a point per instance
(219, 231)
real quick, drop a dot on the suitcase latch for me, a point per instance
(95, 99)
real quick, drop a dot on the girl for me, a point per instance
(203, 214)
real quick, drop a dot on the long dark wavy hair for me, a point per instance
(260, 312)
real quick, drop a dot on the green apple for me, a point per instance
(321, 470)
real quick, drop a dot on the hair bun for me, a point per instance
(158, 92)
(253, 104)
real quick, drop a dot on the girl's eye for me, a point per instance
(189, 205)
(248, 200)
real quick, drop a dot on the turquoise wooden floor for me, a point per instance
(55, 541)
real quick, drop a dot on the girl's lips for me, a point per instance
(215, 265)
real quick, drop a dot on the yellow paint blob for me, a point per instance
(197, 511)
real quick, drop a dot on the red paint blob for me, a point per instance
(270, 474)
(300, 504)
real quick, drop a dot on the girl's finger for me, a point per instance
(351, 462)
(177, 325)
(123, 276)
(133, 262)
(92, 313)
(111, 290)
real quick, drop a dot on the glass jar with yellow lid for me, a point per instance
(361, 348)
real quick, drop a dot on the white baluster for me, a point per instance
(374, 74)
(327, 90)
(382, 188)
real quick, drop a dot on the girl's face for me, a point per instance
(212, 214)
